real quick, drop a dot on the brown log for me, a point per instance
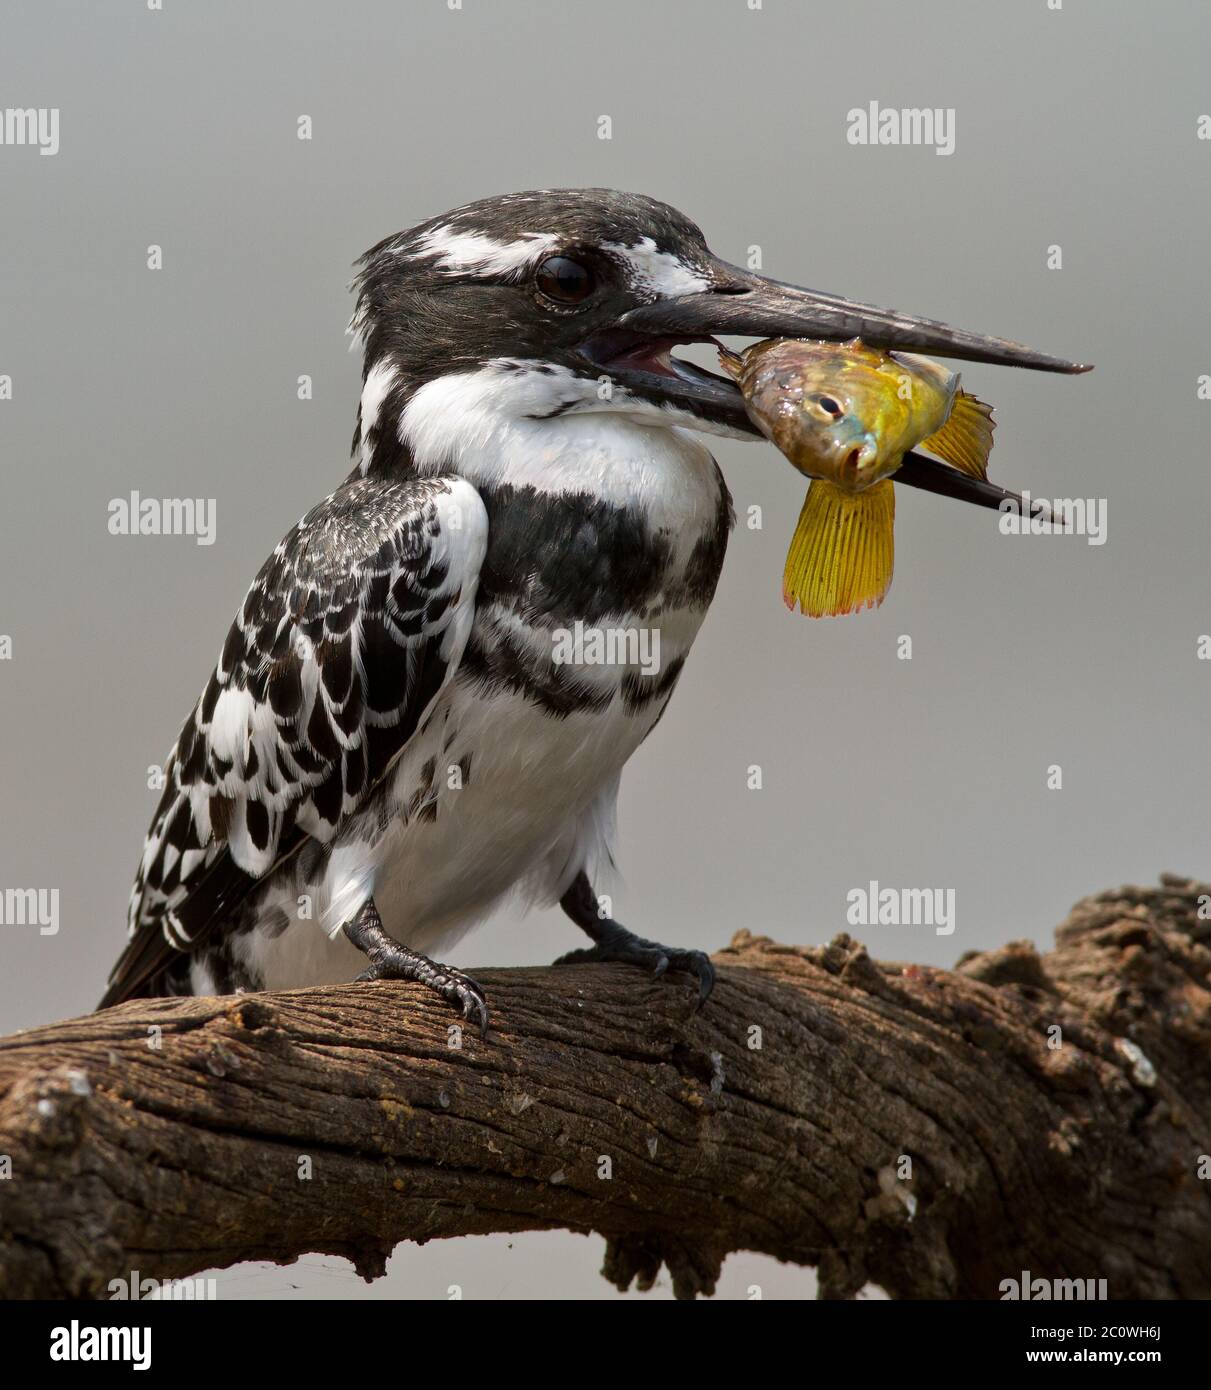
(923, 1129)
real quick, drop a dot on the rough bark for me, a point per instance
(778, 1119)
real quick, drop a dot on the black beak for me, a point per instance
(752, 306)
(918, 470)
(638, 352)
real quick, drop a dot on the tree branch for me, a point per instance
(897, 1123)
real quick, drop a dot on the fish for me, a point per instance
(845, 415)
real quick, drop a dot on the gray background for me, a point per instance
(1075, 127)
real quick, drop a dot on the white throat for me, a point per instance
(544, 427)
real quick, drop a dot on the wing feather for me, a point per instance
(344, 639)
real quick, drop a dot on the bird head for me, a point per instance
(532, 306)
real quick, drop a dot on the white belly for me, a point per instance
(535, 804)
(517, 816)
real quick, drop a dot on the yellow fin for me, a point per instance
(965, 440)
(842, 551)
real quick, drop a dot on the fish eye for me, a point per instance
(564, 280)
(827, 403)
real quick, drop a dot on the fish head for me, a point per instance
(834, 409)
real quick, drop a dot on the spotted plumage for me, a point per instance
(342, 642)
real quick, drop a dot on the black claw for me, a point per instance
(391, 961)
(473, 1003)
(614, 943)
(628, 949)
(465, 994)
(706, 978)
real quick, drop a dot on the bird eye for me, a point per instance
(564, 280)
(827, 403)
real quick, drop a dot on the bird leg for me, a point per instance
(391, 961)
(612, 941)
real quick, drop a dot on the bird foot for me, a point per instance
(391, 961)
(615, 943)
(399, 963)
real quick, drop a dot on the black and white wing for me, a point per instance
(348, 633)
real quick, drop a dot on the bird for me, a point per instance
(387, 746)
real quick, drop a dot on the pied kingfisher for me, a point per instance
(387, 745)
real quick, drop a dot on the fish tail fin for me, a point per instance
(965, 440)
(841, 555)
